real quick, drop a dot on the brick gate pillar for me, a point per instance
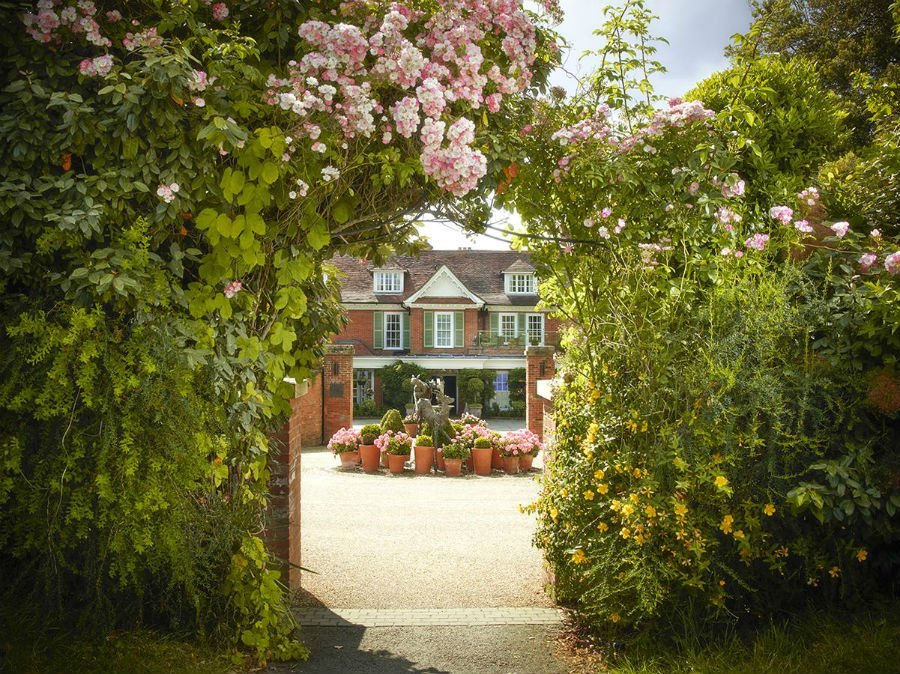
(539, 364)
(337, 385)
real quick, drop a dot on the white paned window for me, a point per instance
(501, 382)
(536, 329)
(520, 284)
(508, 325)
(443, 329)
(388, 281)
(393, 330)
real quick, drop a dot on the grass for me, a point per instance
(132, 652)
(864, 643)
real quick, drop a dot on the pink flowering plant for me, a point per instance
(519, 443)
(344, 440)
(394, 442)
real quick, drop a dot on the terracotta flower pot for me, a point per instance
(411, 429)
(371, 457)
(496, 460)
(453, 467)
(424, 459)
(525, 461)
(349, 460)
(441, 465)
(396, 461)
(511, 464)
(481, 457)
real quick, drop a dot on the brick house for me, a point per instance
(444, 311)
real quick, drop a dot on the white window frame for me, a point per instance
(381, 285)
(528, 329)
(497, 380)
(515, 320)
(437, 315)
(521, 284)
(384, 326)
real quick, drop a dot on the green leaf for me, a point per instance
(341, 212)
(269, 173)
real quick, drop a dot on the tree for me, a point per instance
(841, 37)
(174, 177)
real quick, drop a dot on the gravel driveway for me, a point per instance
(423, 541)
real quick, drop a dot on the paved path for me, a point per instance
(421, 573)
(421, 617)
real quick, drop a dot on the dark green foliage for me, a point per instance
(476, 386)
(517, 386)
(368, 433)
(396, 389)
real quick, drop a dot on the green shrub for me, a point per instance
(396, 388)
(483, 443)
(455, 451)
(743, 485)
(368, 433)
(392, 421)
(424, 441)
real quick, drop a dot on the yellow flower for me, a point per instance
(739, 534)
(603, 488)
(721, 481)
(862, 555)
(588, 495)
(614, 617)
(615, 505)
(722, 582)
(554, 513)
(681, 509)
(783, 551)
(636, 472)
(634, 498)
(727, 521)
(644, 427)
(589, 453)
(650, 510)
(627, 509)
(769, 510)
(631, 425)
(834, 572)
(599, 475)
(625, 533)
(603, 526)
(578, 557)
(595, 395)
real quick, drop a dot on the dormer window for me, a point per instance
(389, 282)
(521, 284)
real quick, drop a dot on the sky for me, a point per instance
(697, 30)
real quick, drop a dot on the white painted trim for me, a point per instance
(543, 327)
(442, 307)
(451, 345)
(372, 306)
(544, 388)
(444, 271)
(515, 315)
(393, 272)
(507, 279)
(514, 309)
(384, 331)
(442, 362)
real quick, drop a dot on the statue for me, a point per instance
(436, 416)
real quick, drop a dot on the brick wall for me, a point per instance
(310, 414)
(337, 385)
(535, 357)
(282, 534)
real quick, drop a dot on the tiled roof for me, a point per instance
(519, 266)
(481, 271)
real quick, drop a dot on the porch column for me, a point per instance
(337, 384)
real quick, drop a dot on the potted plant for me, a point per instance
(345, 444)
(523, 444)
(368, 452)
(411, 424)
(474, 391)
(391, 421)
(454, 455)
(482, 449)
(396, 446)
(424, 449)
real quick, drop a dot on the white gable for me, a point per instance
(444, 283)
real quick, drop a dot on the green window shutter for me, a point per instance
(429, 330)
(459, 328)
(495, 324)
(405, 320)
(378, 330)
(523, 325)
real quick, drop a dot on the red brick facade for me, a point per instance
(337, 386)
(539, 365)
(311, 431)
